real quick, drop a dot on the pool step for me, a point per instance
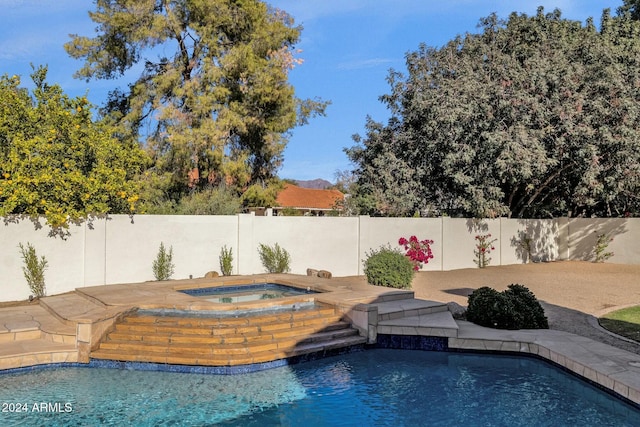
(227, 341)
(222, 348)
(439, 324)
(185, 336)
(409, 307)
(415, 317)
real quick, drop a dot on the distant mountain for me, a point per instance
(318, 184)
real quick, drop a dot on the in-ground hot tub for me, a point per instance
(242, 295)
(247, 293)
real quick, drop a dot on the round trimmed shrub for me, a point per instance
(530, 314)
(388, 267)
(486, 307)
(514, 308)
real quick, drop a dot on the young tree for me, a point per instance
(535, 116)
(214, 88)
(56, 162)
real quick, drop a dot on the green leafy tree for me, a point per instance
(208, 201)
(56, 162)
(354, 201)
(631, 7)
(214, 88)
(534, 116)
(262, 195)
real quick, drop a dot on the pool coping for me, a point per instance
(611, 368)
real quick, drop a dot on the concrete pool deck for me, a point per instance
(63, 328)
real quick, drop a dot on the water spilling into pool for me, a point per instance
(377, 387)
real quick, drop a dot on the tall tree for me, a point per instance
(535, 116)
(214, 88)
(56, 162)
(632, 7)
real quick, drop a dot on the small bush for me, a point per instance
(33, 269)
(290, 212)
(226, 260)
(163, 265)
(274, 259)
(514, 308)
(484, 246)
(600, 248)
(388, 267)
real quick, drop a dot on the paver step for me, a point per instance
(306, 348)
(219, 348)
(223, 330)
(226, 341)
(20, 334)
(230, 359)
(185, 337)
(17, 354)
(286, 316)
(408, 308)
(439, 324)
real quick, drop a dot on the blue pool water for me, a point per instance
(375, 387)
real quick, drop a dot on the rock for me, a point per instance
(457, 311)
(312, 272)
(324, 274)
(211, 274)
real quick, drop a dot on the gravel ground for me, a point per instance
(573, 293)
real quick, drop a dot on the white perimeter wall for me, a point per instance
(121, 249)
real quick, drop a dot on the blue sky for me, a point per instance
(348, 47)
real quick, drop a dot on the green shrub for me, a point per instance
(163, 265)
(484, 307)
(290, 212)
(33, 269)
(527, 308)
(514, 308)
(226, 260)
(209, 201)
(388, 267)
(274, 259)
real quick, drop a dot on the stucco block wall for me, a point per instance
(377, 232)
(64, 257)
(132, 244)
(322, 243)
(121, 249)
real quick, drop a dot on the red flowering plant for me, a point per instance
(484, 246)
(418, 251)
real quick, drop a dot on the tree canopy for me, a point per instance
(534, 116)
(56, 162)
(631, 7)
(212, 103)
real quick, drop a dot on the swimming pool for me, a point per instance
(374, 387)
(246, 293)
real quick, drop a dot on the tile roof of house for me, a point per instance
(306, 198)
